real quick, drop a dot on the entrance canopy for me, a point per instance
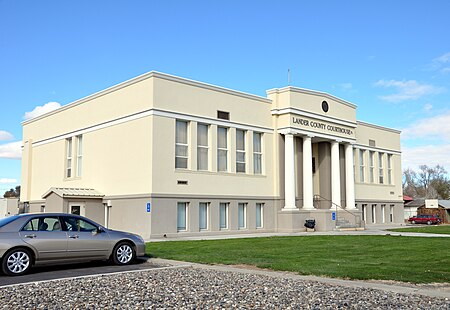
(73, 192)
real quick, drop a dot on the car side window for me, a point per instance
(43, 224)
(77, 224)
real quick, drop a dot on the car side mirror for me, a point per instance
(98, 231)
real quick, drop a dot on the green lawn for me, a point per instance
(439, 229)
(408, 259)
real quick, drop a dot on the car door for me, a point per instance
(84, 239)
(45, 235)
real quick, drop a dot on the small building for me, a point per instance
(411, 206)
(8, 207)
(163, 155)
(437, 207)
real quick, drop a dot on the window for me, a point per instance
(203, 215)
(242, 215)
(77, 224)
(240, 150)
(389, 168)
(257, 153)
(79, 155)
(223, 115)
(181, 145)
(182, 216)
(361, 165)
(363, 211)
(259, 215)
(223, 214)
(43, 224)
(68, 157)
(202, 147)
(222, 149)
(374, 214)
(380, 165)
(391, 213)
(383, 213)
(371, 166)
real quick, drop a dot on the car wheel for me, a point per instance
(123, 253)
(429, 222)
(413, 222)
(16, 262)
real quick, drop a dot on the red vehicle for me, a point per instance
(425, 219)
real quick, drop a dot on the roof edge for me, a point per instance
(310, 92)
(143, 77)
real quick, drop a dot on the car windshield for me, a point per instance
(8, 220)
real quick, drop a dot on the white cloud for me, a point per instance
(11, 150)
(39, 110)
(427, 107)
(8, 181)
(431, 155)
(441, 63)
(431, 127)
(4, 135)
(346, 86)
(407, 90)
(443, 59)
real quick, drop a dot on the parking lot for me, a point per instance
(45, 273)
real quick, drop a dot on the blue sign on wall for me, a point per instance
(148, 207)
(333, 216)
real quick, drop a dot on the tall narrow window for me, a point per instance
(259, 215)
(240, 150)
(391, 213)
(182, 216)
(242, 215)
(361, 165)
(364, 211)
(79, 155)
(181, 145)
(203, 215)
(389, 168)
(257, 153)
(69, 158)
(202, 147)
(223, 214)
(374, 214)
(380, 165)
(222, 149)
(371, 166)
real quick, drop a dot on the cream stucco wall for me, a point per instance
(128, 135)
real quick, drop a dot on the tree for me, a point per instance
(13, 193)
(428, 182)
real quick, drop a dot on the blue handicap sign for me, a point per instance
(148, 207)
(333, 216)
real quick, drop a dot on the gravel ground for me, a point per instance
(194, 288)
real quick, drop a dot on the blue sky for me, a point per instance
(391, 58)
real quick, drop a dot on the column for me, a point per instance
(349, 178)
(308, 193)
(289, 172)
(335, 176)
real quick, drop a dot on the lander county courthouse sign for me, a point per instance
(322, 126)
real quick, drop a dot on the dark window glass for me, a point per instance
(223, 115)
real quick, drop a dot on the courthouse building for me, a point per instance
(163, 155)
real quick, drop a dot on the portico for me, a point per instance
(318, 150)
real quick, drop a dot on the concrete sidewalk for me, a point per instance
(441, 290)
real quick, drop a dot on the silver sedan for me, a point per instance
(30, 239)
